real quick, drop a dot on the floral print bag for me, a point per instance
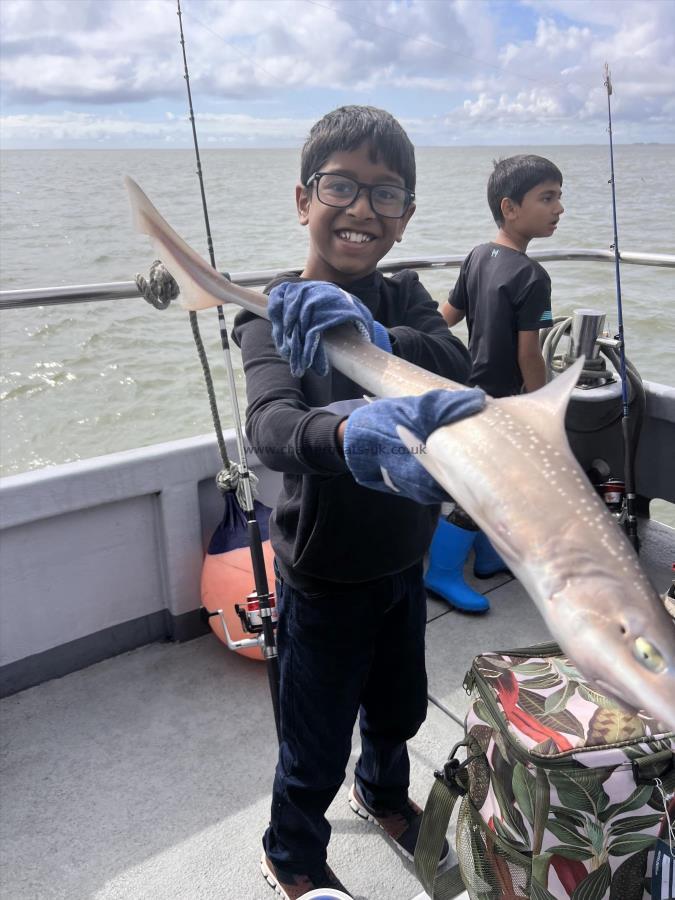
(565, 794)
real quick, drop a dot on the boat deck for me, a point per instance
(147, 776)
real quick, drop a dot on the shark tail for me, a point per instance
(201, 286)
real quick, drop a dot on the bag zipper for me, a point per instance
(473, 679)
(550, 648)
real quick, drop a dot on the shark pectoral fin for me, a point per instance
(549, 404)
(200, 285)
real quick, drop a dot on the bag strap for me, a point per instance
(646, 769)
(450, 783)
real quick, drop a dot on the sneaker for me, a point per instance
(401, 826)
(293, 886)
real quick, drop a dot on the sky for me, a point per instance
(109, 73)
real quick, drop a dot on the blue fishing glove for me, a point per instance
(300, 311)
(375, 454)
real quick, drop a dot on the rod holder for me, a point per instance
(586, 327)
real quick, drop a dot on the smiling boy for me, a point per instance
(346, 241)
(506, 298)
(350, 592)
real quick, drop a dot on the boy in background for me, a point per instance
(506, 298)
(350, 590)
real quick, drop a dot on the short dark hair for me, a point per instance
(347, 128)
(514, 176)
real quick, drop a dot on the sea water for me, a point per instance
(87, 379)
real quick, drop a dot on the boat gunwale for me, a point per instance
(123, 290)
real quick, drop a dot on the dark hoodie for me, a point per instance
(327, 530)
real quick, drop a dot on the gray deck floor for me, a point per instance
(147, 776)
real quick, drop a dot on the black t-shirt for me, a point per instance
(502, 292)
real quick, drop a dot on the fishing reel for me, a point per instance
(612, 491)
(250, 616)
(248, 619)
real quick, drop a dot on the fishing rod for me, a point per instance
(630, 521)
(240, 478)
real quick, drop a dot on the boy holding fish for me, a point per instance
(506, 298)
(350, 590)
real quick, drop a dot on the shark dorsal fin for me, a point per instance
(551, 400)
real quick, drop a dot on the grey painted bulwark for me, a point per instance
(104, 555)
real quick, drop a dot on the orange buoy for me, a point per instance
(227, 573)
(227, 580)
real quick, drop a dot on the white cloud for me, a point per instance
(567, 61)
(527, 106)
(610, 14)
(76, 128)
(232, 46)
(463, 61)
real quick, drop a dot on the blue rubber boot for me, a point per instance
(445, 575)
(487, 562)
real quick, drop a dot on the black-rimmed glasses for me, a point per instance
(388, 200)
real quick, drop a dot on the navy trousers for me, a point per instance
(360, 649)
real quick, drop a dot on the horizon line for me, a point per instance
(299, 146)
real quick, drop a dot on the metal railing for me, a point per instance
(124, 290)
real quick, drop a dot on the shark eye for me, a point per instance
(650, 656)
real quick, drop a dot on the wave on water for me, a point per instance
(87, 379)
